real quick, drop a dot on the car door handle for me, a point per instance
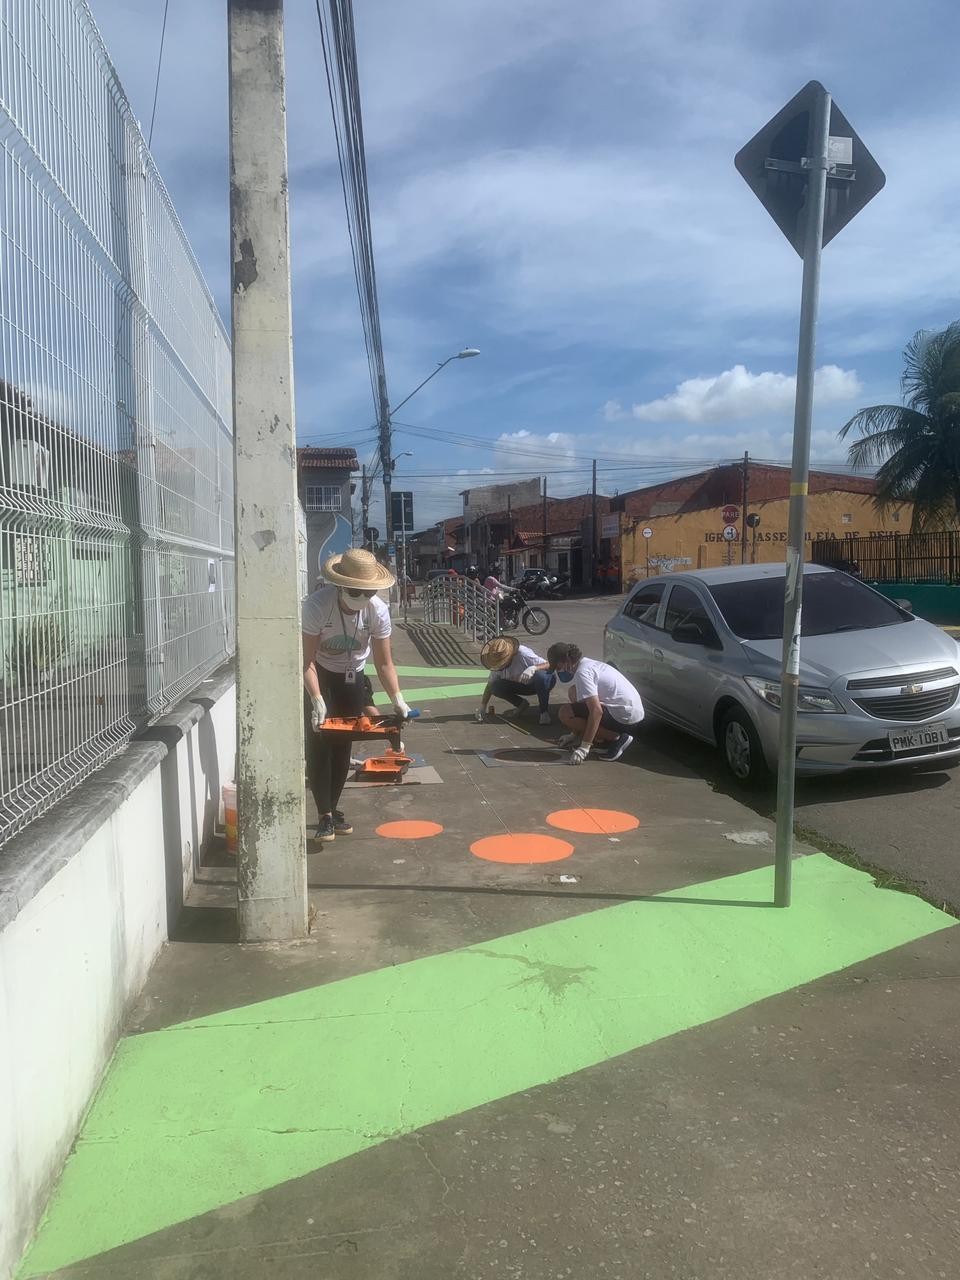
(658, 653)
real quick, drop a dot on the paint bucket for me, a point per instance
(229, 793)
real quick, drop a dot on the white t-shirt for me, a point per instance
(598, 680)
(518, 664)
(343, 639)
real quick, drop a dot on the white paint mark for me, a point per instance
(748, 837)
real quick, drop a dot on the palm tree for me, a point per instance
(915, 446)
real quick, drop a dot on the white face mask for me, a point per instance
(351, 604)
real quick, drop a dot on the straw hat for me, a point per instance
(499, 652)
(358, 569)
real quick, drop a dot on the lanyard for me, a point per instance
(351, 643)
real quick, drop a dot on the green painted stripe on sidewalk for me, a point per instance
(435, 673)
(434, 693)
(204, 1113)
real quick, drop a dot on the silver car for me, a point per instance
(878, 686)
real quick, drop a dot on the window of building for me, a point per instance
(846, 518)
(324, 497)
(896, 517)
(644, 604)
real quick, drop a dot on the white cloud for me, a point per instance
(736, 394)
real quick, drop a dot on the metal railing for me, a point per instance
(462, 603)
(898, 557)
(116, 451)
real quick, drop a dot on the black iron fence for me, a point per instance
(898, 557)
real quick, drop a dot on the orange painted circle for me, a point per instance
(521, 848)
(593, 822)
(409, 830)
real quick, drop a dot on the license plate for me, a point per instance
(931, 735)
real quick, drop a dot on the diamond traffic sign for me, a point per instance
(774, 165)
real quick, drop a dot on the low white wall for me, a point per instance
(81, 927)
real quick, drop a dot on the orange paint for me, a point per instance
(409, 830)
(521, 848)
(594, 822)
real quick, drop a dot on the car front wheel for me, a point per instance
(742, 752)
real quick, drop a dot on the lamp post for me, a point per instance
(386, 444)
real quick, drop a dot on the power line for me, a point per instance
(156, 87)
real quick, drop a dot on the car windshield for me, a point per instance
(832, 602)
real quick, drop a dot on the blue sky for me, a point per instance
(553, 183)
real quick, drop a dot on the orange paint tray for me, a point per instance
(361, 728)
(384, 768)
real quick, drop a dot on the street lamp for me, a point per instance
(386, 462)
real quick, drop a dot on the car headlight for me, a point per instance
(808, 699)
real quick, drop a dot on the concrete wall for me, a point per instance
(88, 894)
(695, 539)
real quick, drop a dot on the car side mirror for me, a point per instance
(904, 604)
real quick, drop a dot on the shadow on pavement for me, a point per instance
(509, 891)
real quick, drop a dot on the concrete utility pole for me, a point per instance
(743, 508)
(271, 854)
(593, 528)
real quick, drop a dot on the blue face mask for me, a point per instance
(564, 676)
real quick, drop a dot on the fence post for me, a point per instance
(896, 556)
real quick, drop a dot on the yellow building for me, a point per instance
(701, 521)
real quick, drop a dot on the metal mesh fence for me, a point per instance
(116, 451)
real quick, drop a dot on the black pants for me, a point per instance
(607, 721)
(516, 692)
(328, 759)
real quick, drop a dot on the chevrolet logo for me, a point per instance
(912, 688)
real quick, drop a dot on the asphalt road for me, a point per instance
(905, 822)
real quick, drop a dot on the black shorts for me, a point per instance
(607, 721)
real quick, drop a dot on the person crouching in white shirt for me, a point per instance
(342, 623)
(516, 674)
(604, 710)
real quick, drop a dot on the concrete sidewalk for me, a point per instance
(619, 1062)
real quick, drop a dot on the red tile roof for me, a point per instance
(332, 459)
(721, 485)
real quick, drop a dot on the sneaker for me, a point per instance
(568, 740)
(616, 749)
(545, 717)
(325, 832)
(341, 825)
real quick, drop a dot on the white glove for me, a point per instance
(578, 755)
(529, 674)
(400, 706)
(318, 714)
(480, 715)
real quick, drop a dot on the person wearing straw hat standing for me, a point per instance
(342, 623)
(516, 673)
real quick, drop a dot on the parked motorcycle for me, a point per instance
(515, 611)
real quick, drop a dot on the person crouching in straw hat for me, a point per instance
(342, 623)
(516, 673)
